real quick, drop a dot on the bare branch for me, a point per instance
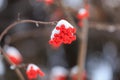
(24, 21)
(105, 26)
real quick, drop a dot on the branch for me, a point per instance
(24, 21)
(105, 26)
(83, 46)
(17, 70)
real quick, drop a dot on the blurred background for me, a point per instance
(102, 59)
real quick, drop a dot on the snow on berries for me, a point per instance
(82, 13)
(64, 32)
(13, 54)
(33, 71)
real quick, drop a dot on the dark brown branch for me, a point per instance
(11, 63)
(24, 21)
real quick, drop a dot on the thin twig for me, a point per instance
(17, 70)
(24, 21)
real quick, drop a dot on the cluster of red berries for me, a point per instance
(63, 33)
(33, 71)
(16, 58)
(14, 55)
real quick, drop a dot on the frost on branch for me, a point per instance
(33, 71)
(13, 54)
(64, 32)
